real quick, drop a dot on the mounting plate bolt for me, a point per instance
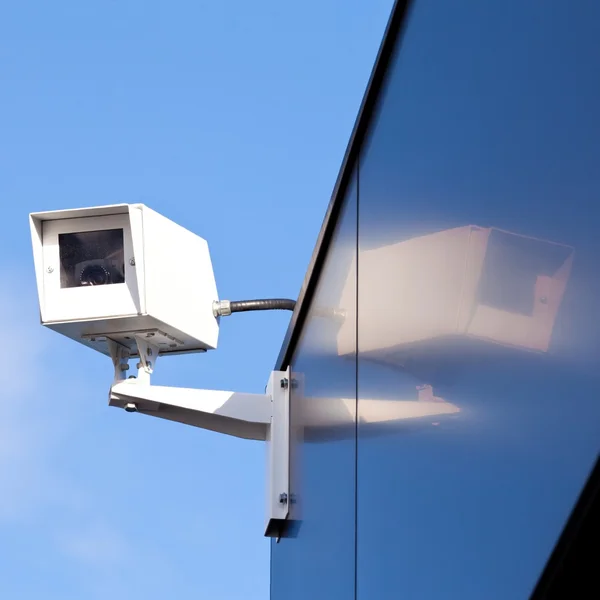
(132, 262)
(284, 383)
(283, 498)
(50, 269)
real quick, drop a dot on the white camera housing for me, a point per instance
(112, 272)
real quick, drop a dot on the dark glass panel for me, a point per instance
(91, 258)
(478, 328)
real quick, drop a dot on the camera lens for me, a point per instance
(94, 275)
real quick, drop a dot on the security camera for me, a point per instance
(115, 273)
(128, 282)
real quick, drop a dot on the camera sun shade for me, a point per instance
(110, 272)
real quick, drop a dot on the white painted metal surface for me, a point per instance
(84, 303)
(278, 454)
(242, 415)
(180, 284)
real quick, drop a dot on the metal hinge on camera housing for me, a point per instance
(263, 417)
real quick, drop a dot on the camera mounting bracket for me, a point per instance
(148, 356)
(263, 417)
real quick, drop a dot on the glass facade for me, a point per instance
(445, 413)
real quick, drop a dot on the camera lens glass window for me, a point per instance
(91, 258)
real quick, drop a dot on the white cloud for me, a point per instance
(96, 544)
(34, 426)
(41, 418)
(24, 437)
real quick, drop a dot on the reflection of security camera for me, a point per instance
(114, 272)
(483, 288)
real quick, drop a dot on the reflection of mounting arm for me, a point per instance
(329, 412)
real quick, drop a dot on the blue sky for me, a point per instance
(231, 119)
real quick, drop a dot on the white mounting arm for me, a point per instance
(250, 416)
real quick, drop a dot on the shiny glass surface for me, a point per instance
(91, 258)
(478, 288)
(316, 557)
